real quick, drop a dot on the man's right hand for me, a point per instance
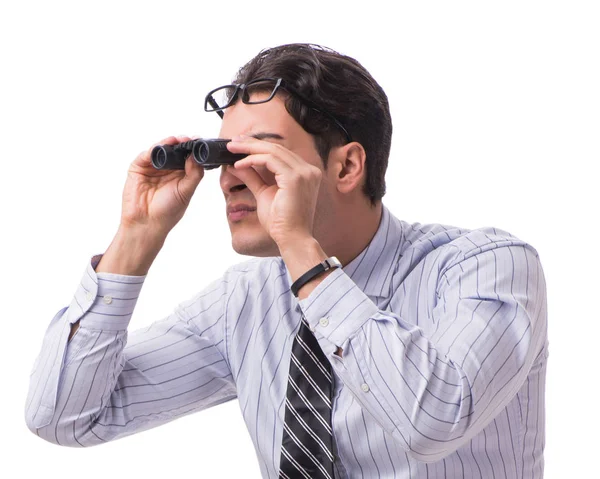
(155, 200)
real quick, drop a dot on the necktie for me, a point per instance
(307, 443)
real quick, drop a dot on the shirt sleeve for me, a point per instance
(436, 379)
(105, 384)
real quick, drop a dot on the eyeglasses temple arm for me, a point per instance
(315, 107)
(215, 105)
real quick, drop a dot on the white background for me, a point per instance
(496, 123)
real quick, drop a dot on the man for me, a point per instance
(422, 353)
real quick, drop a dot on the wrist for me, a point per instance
(321, 269)
(131, 252)
(301, 257)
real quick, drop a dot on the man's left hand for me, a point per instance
(286, 209)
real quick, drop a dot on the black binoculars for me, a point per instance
(208, 153)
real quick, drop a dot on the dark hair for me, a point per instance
(343, 87)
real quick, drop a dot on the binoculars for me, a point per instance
(208, 153)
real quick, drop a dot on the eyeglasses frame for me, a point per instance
(279, 83)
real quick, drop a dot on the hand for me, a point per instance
(156, 200)
(286, 209)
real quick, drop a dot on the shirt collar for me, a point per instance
(373, 268)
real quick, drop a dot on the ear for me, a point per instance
(348, 167)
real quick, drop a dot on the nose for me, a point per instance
(229, 182)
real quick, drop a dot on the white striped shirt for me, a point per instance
(444, 341)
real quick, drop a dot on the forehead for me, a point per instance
(270, 117)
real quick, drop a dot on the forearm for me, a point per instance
(434, 388)
(108, 382)
(97, 344)
(415, 393)
(131, 253)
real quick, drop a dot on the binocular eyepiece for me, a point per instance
(208, 153)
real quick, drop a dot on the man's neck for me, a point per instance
(354, 232)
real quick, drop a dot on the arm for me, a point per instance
(105, 384)
(131, 253)
(433, 387)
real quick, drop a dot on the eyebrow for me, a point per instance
(265, 136)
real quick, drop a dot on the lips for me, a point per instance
(239, 207)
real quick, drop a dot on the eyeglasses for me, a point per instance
(225, 96)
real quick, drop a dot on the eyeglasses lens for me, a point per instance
(259, 91)
(222, 97)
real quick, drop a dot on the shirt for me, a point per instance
(444, 339)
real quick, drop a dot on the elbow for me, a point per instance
(63, 432)
(427, 458)
(49, 434)
(429, 450)
(431, 439)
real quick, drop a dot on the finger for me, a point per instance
(193, 175)
(251, 179)
(252, 146)
(169, 140)
(273, 163)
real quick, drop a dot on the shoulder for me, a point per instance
(450, 245)
(482, 240)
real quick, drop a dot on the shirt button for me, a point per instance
(89, 296)
(365, 388)
(324, 322)
(108, 299)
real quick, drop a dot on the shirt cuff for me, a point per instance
(336, 309)
(105, 301)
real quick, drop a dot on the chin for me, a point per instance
(258, 244)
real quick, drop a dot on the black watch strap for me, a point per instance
(331, 262)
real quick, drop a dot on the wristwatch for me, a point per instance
(329, 263)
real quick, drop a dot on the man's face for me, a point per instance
(269, 122)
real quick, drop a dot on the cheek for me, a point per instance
(328, 200)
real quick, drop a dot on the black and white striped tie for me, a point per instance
(307, 443)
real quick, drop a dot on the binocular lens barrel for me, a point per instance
(214, 152)
(159, 157)
(169, 157)
(209, 153)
